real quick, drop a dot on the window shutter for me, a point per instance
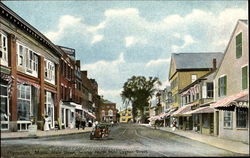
(225, 86)
(239, 45)
(219, 87)
(204, 91)
(244, 78)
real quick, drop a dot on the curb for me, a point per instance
(46, 136)
(197, 140)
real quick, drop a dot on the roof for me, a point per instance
(107, 102)
(183, 110)
(244, 21)
(202, 60)
(201, 110)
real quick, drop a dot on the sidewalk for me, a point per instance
(42, 134)
(234, 146)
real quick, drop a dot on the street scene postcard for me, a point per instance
(124, 78)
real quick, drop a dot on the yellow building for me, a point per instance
(126, 115)
(185, 68)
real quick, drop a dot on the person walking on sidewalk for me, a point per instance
(174, 125)
(78, 120)
(83, 123)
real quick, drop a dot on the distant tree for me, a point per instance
(137, 91)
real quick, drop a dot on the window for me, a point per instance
(3, 49)
(123, 114)
(239, 45)
(23, 102)
(110, 112)
(49, 71)
(27, 59)
(210, 90)
(244, 78)
(62, 115)
(193, 78)
(129, 114)
(49, 107)
(228, 119)
(242, 117)
(222, 86)
(4, 104)
(103, 113)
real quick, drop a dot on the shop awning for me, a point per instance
(90, 114)
(238, 100)
(19, 80)
(153, 118)
(181, 111)
(201, 110)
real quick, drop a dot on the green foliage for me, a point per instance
(137, 91)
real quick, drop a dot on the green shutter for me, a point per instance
(244, 78)
(225, 85)
(219, 87)
(239, 45)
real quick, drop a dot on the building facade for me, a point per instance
(126, 115)
(32, 62)
(107, 111)
(231, 87)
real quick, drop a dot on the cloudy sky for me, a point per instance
(117, 39)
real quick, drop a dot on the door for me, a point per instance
(67, 118)
(217, 123)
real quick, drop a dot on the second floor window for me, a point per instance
(222, 86)
(239, 45)
(27, 59)
(49, 71)
(3, 49)
(210, 90)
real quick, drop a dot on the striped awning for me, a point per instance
(232, 101)
(182, 111)
(201, 110)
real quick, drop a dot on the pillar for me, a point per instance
(42, 94)
(13, 97)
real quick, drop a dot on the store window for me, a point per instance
(27, 59)
(49, 107)
(228, 117)
(23, 102)
(4, 105)
(3, 49)
(242, 117)
(62, 111)
(49, 71)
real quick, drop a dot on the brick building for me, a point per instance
(107, 111)
(29, 74)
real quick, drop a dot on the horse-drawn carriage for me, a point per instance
(101, 130)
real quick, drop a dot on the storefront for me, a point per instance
(232, 117)
(5, 93)
(68, 110)
(27, 103)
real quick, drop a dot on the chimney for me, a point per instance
(214, 63)
(85, 73)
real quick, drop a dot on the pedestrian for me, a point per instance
(83, 124)
(46, 123)
(77, 121)
(174, 125)
(90, 123)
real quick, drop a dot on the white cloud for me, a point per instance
(131, 41)
(187, 41)
(97, 38)
(157, 62)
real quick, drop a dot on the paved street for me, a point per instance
(124, 140)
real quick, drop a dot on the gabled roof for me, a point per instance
(196, 60)
(244, 21)
(107, 102)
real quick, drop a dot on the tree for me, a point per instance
(137, 91)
